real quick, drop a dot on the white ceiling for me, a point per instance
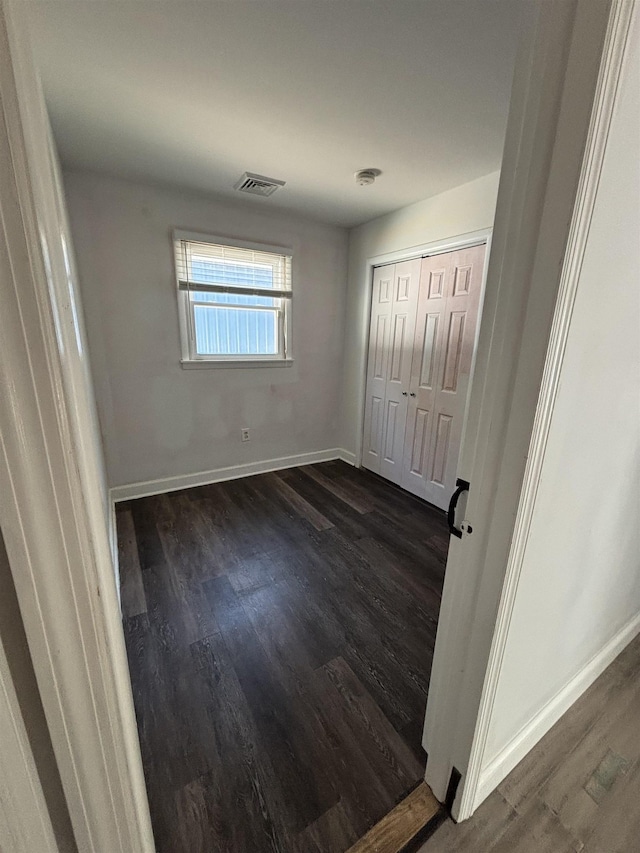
(194, 93)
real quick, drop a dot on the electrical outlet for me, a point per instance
(245, 435)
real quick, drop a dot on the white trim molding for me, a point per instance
(533, 731)
(347, 456)
(435, 247)
(194, 364)
(219, 475)
(482, 780)
(113, 545)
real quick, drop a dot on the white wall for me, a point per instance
(580, 583)
(467, 208)
(157, 419)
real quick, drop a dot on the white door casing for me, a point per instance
(395, 295)
(447, 313)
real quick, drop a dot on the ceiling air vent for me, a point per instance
(257, 184)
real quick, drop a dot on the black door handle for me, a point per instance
(461, 486)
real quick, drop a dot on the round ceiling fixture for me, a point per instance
(366, 176)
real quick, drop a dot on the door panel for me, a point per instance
(453, 351)
(380, 349)
(403, 321)
(393, 313)
(377, 366)
(375, 424)
(447, 314)
(420, 433)
(429, 350)
(398, 347)
(441, 448)
(391, 430)
(436, 283)
(425, 369)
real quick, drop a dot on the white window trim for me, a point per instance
(232, 362)
(189, 361)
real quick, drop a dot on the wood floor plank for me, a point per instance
(300, 505)
(241, 779)
(277, 716)
(185, 597)
(150, 551)
(349, 761)
(281, 635)
(261, 526)
(132, 597)
(259, 572)
(497, 828)
(351, 522)
(376, 645)
(386, 750)
(618, 827)
(341, 489)
(332, 830)
(479, 834)
(187, 542)
(401, 825)
(539, 831)
(418, 580)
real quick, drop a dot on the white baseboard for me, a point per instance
(113, 543)
(529, 735)
(347, 456)
(219, 475)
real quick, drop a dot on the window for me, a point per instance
(235, 301)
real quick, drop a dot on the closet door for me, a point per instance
(393, 317)
(447, 315)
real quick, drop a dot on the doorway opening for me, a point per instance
(280, 627)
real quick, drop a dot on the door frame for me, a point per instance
(437, 247)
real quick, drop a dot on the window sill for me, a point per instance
(188, 364)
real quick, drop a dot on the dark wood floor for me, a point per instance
(280, 631)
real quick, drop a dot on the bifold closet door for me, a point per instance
(447, 315)
(393, 317)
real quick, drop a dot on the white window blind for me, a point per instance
(235, 300)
